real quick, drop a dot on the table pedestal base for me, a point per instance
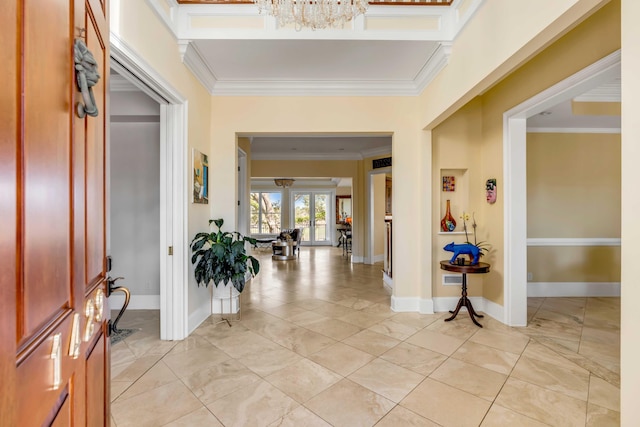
(464, 301)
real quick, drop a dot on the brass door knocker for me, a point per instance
(87, 76)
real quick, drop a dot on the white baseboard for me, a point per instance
(573, 289)
(490, 308)
(411, 304)
(198, 316)
(378, 258)
(442, 304)
(494, 310)
(137, 302)
(357, 259)
(426, 306)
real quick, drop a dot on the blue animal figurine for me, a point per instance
(464, 249)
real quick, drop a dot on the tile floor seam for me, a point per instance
(136, 380)
(556, 311)
(493, 402)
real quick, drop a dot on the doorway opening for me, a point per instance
(172, 212)
(515, 177)
(379, 196)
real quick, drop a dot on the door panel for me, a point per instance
(95, 381)
(95, 154)
(63, 417)
(46, 166)
(54, 345)
(8, 209)
(39, 397)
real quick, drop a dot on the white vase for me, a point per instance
(224, 291)
(224, 299)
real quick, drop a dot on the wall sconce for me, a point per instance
(284, 182)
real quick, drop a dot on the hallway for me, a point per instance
(317, 345)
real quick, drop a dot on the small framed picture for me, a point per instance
(448, 183)
(200, 178)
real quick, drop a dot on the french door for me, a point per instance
(312, 215)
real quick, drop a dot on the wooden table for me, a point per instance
(481, 267)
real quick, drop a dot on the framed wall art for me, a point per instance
(448, 183)
(200, 193)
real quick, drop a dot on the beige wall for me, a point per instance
(502, 35)
(573, 191)
(343, 191)
(573, 185)
(456, 149)
(574, 264)
(590, 41)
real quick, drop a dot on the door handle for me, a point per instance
(87, 76)
(127, 297)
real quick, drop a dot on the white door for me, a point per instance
(312, 215)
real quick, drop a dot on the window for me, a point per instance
(266, 212)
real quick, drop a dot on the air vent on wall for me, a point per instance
(452, 279)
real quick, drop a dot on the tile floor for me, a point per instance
(317, 345)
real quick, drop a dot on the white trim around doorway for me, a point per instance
(515, 177)
(173, 193)
(369, 257)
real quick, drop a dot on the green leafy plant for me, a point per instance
(483, 246)
(221, 257)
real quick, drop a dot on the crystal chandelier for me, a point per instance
(284, 182)
(314, 14)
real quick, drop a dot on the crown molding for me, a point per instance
(436, 62)
(462, 11)
(314, 88)
(193, 60)
(374, 152)
(160, 12)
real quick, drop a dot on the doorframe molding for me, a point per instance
(173, 194)
(369, 257)
(515, 176)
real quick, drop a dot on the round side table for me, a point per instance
(479, 268)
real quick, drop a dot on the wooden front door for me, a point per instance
(54, 345)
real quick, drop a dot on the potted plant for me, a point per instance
(221, 257)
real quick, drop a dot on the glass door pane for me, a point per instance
(320, 230)
(301, 216)
(310, 210)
